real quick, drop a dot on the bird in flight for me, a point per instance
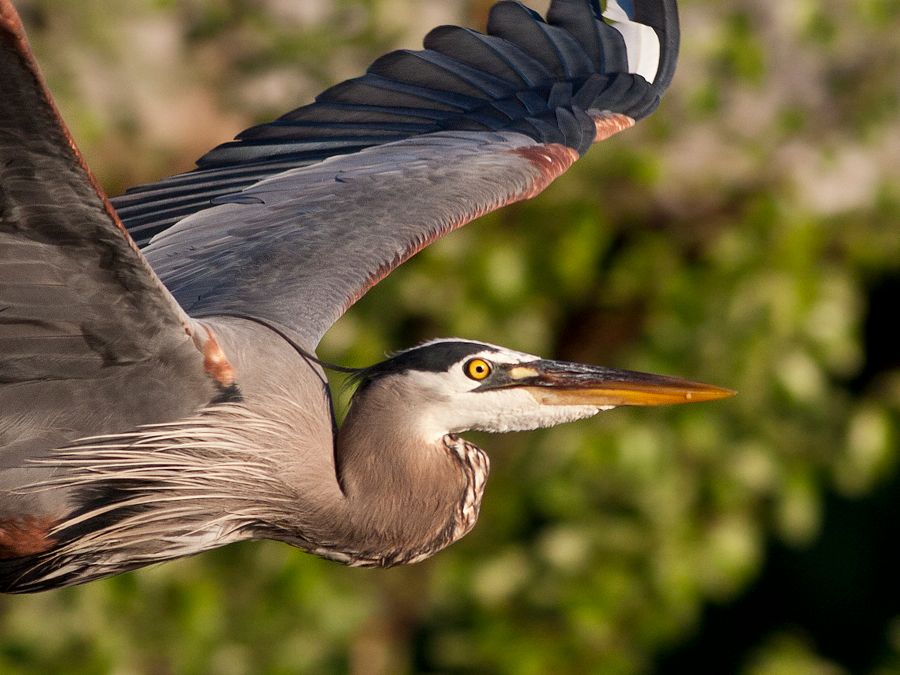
(159, 392)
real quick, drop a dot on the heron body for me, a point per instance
(161, 401)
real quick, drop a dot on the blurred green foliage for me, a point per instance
(748, 234)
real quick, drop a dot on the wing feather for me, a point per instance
(296, 259)
(317, 206)
(462, 80)
(82, 315)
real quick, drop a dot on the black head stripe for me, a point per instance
(435, 357)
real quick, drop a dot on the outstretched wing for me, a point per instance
(91, 342)
(294, 220)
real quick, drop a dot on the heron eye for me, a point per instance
(478, 369)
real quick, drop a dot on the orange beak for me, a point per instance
(561, 383)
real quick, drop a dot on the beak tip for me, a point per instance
(709, 394)
(689, 392)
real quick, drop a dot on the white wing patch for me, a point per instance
(641, 41)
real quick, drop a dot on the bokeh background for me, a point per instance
(748, 234)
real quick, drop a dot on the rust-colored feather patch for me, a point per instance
(608, 124)
(551, 160)
(24, 536)
(215, 362)
(10, 22)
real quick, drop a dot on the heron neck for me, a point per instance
(407, 496)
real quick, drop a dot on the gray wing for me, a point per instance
(296, 219)
(91, 342)
(295, 251)
(463, 80)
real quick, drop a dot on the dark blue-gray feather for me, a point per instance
(296, 250)
(462, 80)
(386, 163)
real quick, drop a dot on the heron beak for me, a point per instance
(561, 383)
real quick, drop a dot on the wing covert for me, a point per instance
(294, 220)
(463, 80)
(296, 250)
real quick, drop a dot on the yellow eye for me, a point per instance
(478, 369)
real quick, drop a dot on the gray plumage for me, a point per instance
(160, 403)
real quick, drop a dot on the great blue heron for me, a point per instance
(161, 402)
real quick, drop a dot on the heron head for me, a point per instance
(457, 385)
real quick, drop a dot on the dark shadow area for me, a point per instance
(842, 591)
(882, 332)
